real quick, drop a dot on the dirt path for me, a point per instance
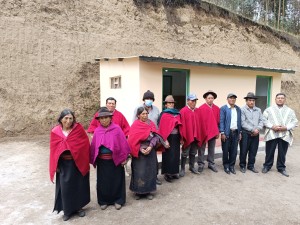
(27, 194)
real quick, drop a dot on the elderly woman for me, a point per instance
(169, 129)
(109, 151)
(69, 159)
(143, 138)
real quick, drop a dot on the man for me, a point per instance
(153, 115)
(118, 118)
(188, 132)
(252, 123)
(280, 120)
(208, 117)
(153, 111)
(230, 129)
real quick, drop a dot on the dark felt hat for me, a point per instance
(250, 95)
(103, 112)
(148, 95)
(210, 93)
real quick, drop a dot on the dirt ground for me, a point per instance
(27, 194)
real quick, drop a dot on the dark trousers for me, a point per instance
(270, 150)
(211, 144)
(229, 148)
(248, 145)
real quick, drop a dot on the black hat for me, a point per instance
(103, 112)
(250, 95)
(210, 93)
(148, 95)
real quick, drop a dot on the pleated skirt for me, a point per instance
(110, 183)
(171, 156)
(143, 173)
(72, 190)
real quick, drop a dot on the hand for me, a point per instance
(240, 137)
(147, 150)
(223, 137)
(255, 132)
(167, 144)
(124, 163)
(275, 128)
(217, 137)
(282, 128)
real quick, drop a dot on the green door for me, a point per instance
(176, 83)
(263, 92)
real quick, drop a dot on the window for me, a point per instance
(115, 82)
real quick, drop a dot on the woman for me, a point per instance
(69, 159)
(169, 129)
(109, 152)
(142, 140)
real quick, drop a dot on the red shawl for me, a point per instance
(139, 132)
(77, 142)
(188, 130)
(167, 123)
(118, 118)
(208, 119)
(112, 138)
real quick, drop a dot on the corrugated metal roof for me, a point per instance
(202, 63)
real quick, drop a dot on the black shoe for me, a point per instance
(168, 178)
(232, 170)
(137, 196)
(175, 176)
(253, 170)
(265, 170)
(226, 170)
(243, 169)
(213, 168)
(200, 169)
(158, 182)
(284, 173)
(193, 170)
(65, 217)
(81, 213)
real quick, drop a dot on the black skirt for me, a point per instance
(171, 156)
(143, 173)
(72, 190)
(111, 187)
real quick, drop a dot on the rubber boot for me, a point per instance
(192, 163)
(182, 170)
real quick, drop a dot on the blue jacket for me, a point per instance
(225, 119)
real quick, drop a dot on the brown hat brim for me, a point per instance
(168, 102)
(250, 97)
(104, 114)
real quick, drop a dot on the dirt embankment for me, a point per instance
(48, 50)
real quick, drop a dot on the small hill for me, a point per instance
(48, 50)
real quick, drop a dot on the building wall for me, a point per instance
(127, 97)
(140, 76)
(151, 79)
(224, 81)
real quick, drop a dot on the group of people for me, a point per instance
(179, 135)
